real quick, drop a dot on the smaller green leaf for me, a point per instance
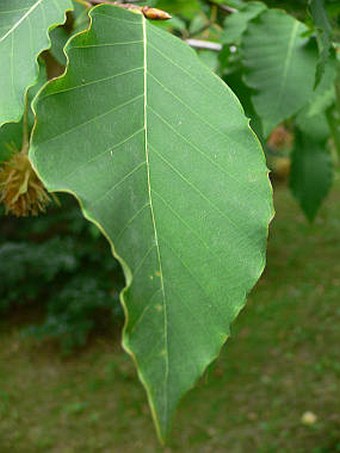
(324, 94)
(174, 25)
(311, 173)
(333, 118)
(59, 37)
(199, 22)
(280, 64)
(333, 115)
(80, 15)
(316, 126)
(312, 119)
(11, 134)
(236, 24)
(236, 83)
(23, 36)
(237, 4)
(10, 140)
(184, 8)
(324, 33)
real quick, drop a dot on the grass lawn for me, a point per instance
(282, 361)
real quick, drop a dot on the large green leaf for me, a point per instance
(159, 153)
(311, 171)
(24, 26)
(280, 66)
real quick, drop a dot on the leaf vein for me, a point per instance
(196, 189)
(93, 82)
(101, 115)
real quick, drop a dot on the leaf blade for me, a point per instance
(24, 29)
(311, 173)
(175, 120)
(280, 66)
(236, 24)
(325, 33)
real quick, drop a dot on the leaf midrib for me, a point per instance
(153, 218)
(22, 19)
(287, 61)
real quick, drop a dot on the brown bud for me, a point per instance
(155, 14)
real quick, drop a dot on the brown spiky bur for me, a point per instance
(280, 143)
(21, 191)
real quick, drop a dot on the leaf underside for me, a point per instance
(280, 66)
(24, 26)
(159, 154)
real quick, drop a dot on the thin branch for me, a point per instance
(226, 8)
(123, 5)
(149, 13)
(204, 45)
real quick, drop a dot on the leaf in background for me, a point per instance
(280, 66)
(80, 15)
(324, 33)
(11, 134)
(324, 94)
(243, 92)
(312, 119)
(159, 153)
(183, 8)
(316, 126)
(311, 172)
(10, 140)
(333, 115)
(209, 58)
(236, 24)
(24, 26)
(333, 118)
(238, 4)
(59, 37)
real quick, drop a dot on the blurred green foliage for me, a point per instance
(60, 263)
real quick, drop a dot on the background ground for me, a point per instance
(282, 361)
